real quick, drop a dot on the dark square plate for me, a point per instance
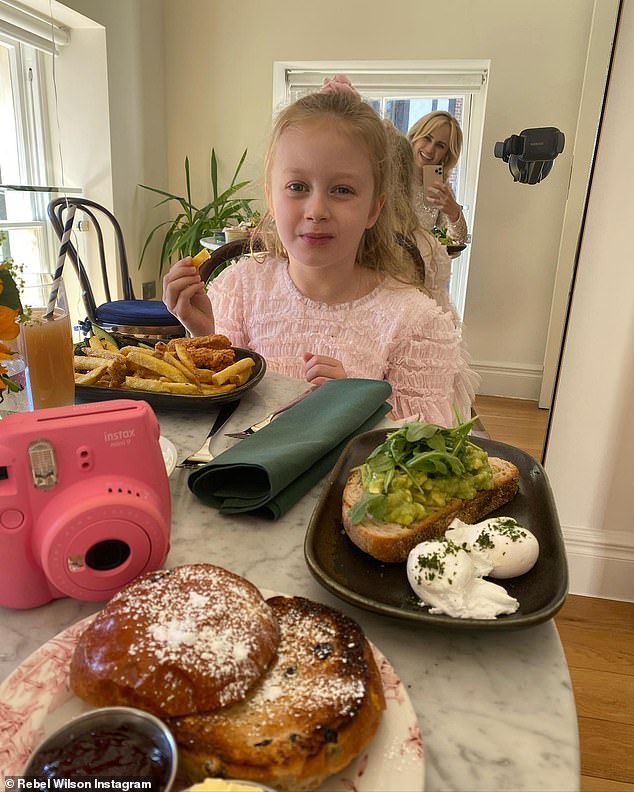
(90, 393)
(383, 588)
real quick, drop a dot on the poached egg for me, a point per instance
(509, 549)
(447, 574)
(447, 578)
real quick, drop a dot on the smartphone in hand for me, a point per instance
(431, 174)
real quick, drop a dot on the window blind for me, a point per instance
(22, 24)
(397, 82)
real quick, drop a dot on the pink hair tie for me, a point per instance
(339, 84)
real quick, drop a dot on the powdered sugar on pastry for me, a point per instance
(177, 641)
(315, 707)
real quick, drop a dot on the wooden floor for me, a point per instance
(518, 422)
(597, 634)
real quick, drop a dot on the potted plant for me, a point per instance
(192, 223)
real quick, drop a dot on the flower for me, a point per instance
(10, 312)
(9, 327)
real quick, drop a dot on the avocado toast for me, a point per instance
(415, 483)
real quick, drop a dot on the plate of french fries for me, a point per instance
(194, 371)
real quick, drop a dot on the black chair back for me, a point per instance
(224, 254)
(128, 315)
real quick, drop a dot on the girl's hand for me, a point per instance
(185, 296)
(319, 368)
(440, 196)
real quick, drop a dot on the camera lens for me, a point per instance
(108, 554)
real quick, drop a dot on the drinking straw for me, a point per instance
(63, 248)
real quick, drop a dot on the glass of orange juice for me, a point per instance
(46, 343)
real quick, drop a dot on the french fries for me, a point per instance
(91, 377)
(238, 373)
(141, 358)
(201, 257)
(189, 374)
(86, 362)
(184, 356)
(101, 343)
(164, 369)
(161, 386)
(214, 390)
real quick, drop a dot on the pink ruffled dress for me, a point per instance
(395, 333)
(437, 270)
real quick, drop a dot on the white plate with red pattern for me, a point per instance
(35, 700)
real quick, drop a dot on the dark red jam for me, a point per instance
(109, 751)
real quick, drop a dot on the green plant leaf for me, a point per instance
(10, 384)
(9, 294)
(170, 196)
(237, 171)
(214, 174)
(188, 183)
(183, 233)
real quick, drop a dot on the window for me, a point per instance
(26, 68)
(403, 92)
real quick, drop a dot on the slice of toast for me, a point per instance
(392, 542)
(313, 711)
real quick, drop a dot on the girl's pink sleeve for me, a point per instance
(227, 296)
(426, 372)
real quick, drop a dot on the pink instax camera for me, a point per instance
(84, 501)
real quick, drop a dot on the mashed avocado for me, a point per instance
(419, 469)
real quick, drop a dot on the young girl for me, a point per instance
(436, 139)
(332, 297)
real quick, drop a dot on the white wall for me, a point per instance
(123, 141)
(590, 455)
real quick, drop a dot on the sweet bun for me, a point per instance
(175, 642)
(315, 708)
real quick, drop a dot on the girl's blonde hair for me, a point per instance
(407, 222)
(355, 118)
(431, 122)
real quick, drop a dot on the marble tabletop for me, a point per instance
(496, 711)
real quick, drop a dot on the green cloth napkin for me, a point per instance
(268, 472)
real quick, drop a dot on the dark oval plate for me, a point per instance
(356, 577)
(90, 393)
(454, 250)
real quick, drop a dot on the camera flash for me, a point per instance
(43, 465)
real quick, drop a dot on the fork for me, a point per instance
(204, 455)
(267, 420)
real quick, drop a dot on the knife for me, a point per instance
(267, 420)
(203, 454)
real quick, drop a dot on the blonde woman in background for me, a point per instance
(436, 139)
(437, 263)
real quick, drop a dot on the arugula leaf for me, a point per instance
(420, 431)
(416, 447)
(436, 461)
(419, 446)
(368, 502)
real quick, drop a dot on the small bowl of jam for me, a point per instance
(110, 742)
